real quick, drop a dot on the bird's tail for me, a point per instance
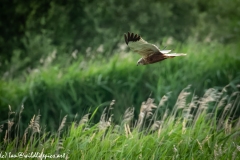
(171, 55)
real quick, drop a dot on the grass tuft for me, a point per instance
(186, 132)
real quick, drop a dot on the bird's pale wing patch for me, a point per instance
(143, 47)
(165, 51)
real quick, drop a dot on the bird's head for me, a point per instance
(141, 62)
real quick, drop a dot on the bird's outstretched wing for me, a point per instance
(142, 47)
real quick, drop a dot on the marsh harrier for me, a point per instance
(150, 53)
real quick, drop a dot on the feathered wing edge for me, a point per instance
(131, 37)
(165, 51)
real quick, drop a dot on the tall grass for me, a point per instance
(78, 86)
(186, 132)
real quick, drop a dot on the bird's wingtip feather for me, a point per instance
(131, 37)
(126, 38)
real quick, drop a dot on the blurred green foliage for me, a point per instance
(69, 57)
(55, 90)
(31, 30)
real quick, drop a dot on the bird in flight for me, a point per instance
(150, 53)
